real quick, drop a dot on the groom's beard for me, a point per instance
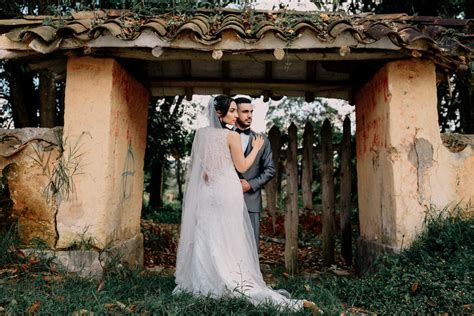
(244, 124)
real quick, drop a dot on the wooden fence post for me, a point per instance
(271, 189)
(345, 202)
(307, 165)
(291, 215)
(327, 186)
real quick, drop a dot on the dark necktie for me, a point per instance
(245, 131)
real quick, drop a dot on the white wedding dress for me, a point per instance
(217, 256)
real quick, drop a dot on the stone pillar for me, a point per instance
(104, 139)
(397, 135)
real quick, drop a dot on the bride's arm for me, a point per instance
(241, 162)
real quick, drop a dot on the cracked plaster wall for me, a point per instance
(27, 158)
(403, 167)
(104, 139)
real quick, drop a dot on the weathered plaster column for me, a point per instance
(105, 138)
(403, 168)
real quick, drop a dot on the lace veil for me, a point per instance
(212, 114)
(191, 201)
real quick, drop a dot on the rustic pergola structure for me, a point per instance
(387, 65)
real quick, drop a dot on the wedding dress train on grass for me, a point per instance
(217, 256)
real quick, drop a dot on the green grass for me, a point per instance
(434, 276)
(128, 292)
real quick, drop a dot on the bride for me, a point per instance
(217, 255)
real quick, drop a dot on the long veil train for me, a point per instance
(217, 255)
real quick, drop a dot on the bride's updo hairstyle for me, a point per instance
(222, 104)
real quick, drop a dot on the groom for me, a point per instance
(262, 170)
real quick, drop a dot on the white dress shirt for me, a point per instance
(245, 141)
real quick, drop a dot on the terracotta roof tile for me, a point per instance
(440, 36)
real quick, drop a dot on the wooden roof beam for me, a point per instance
(256, 84)
(251, 55)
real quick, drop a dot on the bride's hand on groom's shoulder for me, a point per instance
(257, 142)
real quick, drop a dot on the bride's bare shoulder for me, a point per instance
(233, 135)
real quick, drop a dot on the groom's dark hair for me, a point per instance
(241, 100)
(222, 104)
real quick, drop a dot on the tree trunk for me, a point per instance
(271, 189)
(327, 186)
(179, 180)
(43, 7)
(469, 9)
(291, 215)
(24, 109)
(346, 179)
(307, 172)
(47, 100)
(156, 186)
(466, 106)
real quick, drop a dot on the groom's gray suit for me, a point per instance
(261, 171)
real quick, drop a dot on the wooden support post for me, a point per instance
(186, 64)
(271, 189)
(47, 100)
(225, 71)
(291, 215)
(311, 67)
(345, 202)
(307, 172)
(327, 186)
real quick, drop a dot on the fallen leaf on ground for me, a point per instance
(20, 253)
(33, 260)
(82, 312)
(100, 287)
(121, 305)
(155, 269)
(109, 306)
(53, 268)
(8, 270)
(430, 302)
(340, 272)
(34, 308)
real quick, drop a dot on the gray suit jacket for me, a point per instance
(261, 171)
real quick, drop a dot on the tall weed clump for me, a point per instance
(8, 240)
(434, 275)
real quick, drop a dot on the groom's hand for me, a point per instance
(245, 185)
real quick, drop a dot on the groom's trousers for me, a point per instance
(255, 221)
